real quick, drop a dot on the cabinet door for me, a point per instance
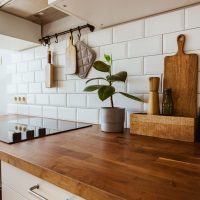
(11, 176)
(10, 194)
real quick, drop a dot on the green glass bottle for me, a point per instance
(167, 104)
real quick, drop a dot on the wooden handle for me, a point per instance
(181, 43)
(49, 57)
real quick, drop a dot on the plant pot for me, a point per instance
(112, 119)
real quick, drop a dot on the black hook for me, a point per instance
(71, 32)
(56, 35)
(79, 30)
(46, 41)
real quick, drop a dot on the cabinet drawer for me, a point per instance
(10, 194)
(22, 181)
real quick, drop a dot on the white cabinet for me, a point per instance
(10, 194)
(18, 183)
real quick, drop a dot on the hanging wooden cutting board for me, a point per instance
(181, 75)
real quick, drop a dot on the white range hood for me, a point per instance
(104, 13)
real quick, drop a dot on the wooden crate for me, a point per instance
(169, 127)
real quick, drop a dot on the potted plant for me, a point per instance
(112, 118)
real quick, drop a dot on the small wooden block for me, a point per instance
(169, 127)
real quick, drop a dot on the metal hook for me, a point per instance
(79, 35)
(56, 35)
(71, 32)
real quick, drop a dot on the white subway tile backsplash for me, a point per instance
(16, 78)
(118, 51)
(22, 88)
(138, 84)
(192, 15)
(93, 73)
(22, 67)
(11, 69)
(93, 101)
(132, 66)
(59, 48)
(28, 77)
(124, 102)
(88, 115)
(145, 47)
(39, 76)
(138, 47)
(41, 52)
(128, 31)
(165, 23)
(11, 88)
(67, 113)
(22, 109)
(35, 88)
(81, 84)
(68, 86)
(76, 100)
(34, 65)
(16, 57)
(120, 86)
(99, 38)
(42, 99)
(12, 108)
(58, 99)
(192, 41)
(50, 112)
(28, 55)
(154, 64)
(30, 99)
(35, 111)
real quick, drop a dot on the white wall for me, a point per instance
(138, 47)
(5, 59)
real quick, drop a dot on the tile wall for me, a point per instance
(139, 47)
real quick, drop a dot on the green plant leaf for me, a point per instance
(107, 57)
(92, 88)
(101, 66)
(131, 96)
(95, 79)
(105, 92)
(121, 76)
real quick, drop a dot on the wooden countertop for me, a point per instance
(102, 166)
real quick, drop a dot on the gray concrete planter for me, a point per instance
(112, 119)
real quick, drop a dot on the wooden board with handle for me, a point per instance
(181, 75)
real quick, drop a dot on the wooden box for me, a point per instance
(169, 127)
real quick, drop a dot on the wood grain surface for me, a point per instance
(101, 166)
(169, 127)
(181, 75)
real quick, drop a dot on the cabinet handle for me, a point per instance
(31, 191)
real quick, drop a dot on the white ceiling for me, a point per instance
(15, 44)
(111, 12)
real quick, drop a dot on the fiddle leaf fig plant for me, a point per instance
(108, 90)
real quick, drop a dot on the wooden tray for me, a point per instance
(169, 127)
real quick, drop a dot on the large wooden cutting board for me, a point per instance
(181, 75)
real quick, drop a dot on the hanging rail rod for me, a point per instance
(46, 39)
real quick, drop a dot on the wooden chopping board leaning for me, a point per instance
(181, 75)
